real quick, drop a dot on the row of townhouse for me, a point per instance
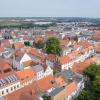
(9, 82)
(66, 62)
(23, 77)
(69, 85)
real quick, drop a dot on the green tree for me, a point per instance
(91, 71)
(52, 46)
(45, 97)
(96, 85)
(92, 90)
(86, 95)
(27, 43)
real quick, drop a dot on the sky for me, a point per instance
(50, 8)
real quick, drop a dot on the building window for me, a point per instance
(2, 92)
(11, 88)
(7, 70)
(17, 86)
(7, 90)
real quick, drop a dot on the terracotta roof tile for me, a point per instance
(26, 74)
(38, 38)
(60, 80)
(64, 59)
(51, 57)
(19, 45)
(1, 49)
(4, 64)
(96, 35)
(71, 88)
(17, 95)
(85, 44)
(27, 63)
(82, 66)
(45, 83)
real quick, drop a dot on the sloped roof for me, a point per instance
(4, 64)
(71, 88)
(82, 66)
(18, 95)
(45, 83)
(24, 74)
(64, 59)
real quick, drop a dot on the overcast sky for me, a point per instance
(50, 8)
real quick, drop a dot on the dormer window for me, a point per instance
(22, 79)
(7, 70)
(52, 82)
(27, 77)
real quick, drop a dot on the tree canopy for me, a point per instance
(27, 43)
(52, 46)
(92, 90)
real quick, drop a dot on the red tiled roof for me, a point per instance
(4, 64)
(73, 54)
(60, 80)
(27, 63)
(26, 74)
(96, 35)
(71, 88)
(64, 59)
(38, 38)
(82, 66)
(36, 53)
(1, 49)
(51, 57)
(17, 95)
(19, 45)
(85, 44)
(45, 83)
(5, 43)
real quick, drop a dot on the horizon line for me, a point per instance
(47, 17)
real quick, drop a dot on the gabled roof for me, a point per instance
(71, 88)
(28, 63)
(60, 80)
(85, 44)
(5, 43)
(4, 64)
(73, 54)
(19, 45)
(25, 58)
(82, 66)
(51, 57)
(96, 35)
(17, 95)
(36, 52)
(26, 74)
(64, 59)
(45, 83)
